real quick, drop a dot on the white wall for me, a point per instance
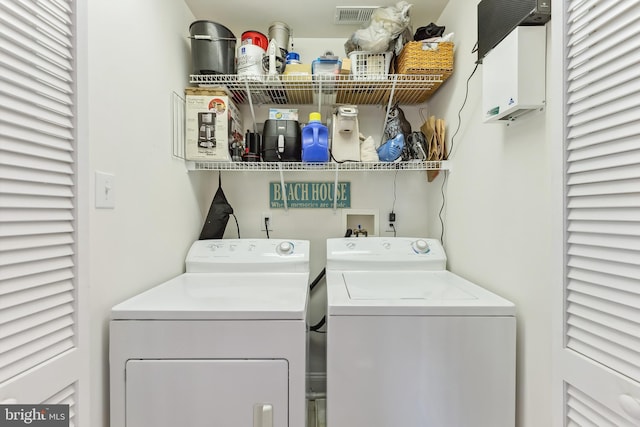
(138, 53)
(501, 210)
(498, 205)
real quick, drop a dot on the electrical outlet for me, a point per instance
(391, 227)
(265, 216)
(391, 223)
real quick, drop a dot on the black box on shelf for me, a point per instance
(281, 141)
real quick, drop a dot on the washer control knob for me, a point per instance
(285, 248)
(420, 246)
(351, 245)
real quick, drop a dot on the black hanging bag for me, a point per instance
(218, 215)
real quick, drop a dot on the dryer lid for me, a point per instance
(224, 296)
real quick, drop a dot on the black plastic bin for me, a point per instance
(213, 48)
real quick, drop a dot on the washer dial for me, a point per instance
(420, 246)
(285, 248)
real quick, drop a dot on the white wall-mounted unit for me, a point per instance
(513, 79)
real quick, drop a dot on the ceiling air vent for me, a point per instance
(353, 14)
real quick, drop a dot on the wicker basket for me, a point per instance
(421, 58)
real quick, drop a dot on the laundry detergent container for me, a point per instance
(213, 48)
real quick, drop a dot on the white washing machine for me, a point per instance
(223, 344)
(410, 344)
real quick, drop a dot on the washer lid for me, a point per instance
(408, 286)
(225, 296)
(410, 293)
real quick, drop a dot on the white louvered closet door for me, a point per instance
(39, 355)
(600, 359)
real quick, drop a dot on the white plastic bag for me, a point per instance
(385, 26)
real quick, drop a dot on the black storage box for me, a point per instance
(281, 141)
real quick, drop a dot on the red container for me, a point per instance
(255, 37)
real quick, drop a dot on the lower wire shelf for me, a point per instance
(330, 166)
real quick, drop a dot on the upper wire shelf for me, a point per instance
(339, 89)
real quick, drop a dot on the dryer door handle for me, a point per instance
(262, 415)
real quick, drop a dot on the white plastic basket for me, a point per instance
(366, 65)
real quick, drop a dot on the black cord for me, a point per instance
(341, 161)
(394, 229)
(272, 149)
(320, 324)
(393, 206)
(444, 180)
(237, 225)
(317, 279)
(466, 95)
(313, 284)
(266, 226)
(446, 175)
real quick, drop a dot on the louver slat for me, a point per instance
(66, 396)
(583, 411)
(598, 18)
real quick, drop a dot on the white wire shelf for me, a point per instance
(319, 167)
(178, 147)
(340, 89)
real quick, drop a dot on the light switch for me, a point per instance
(105, 190)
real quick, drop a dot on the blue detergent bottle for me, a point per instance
(315, 140)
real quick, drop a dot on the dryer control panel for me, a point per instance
(248, 255)
(385, 253)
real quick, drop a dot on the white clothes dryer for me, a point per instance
(411, 344)
(223, 344)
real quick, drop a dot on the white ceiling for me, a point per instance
(306, 18)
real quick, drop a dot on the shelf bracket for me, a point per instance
(335, 190)
(253, 114)
(389, 104)
(284, 190)
(179, 132)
